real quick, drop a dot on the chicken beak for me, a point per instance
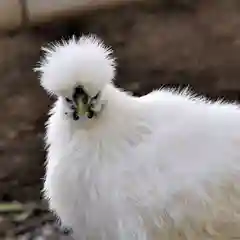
(81, 108)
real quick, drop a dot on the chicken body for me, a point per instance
(165, 166)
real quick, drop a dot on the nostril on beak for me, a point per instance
(85, 99)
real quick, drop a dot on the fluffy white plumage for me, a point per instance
(165, 166)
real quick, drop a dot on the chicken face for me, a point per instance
(82, 104)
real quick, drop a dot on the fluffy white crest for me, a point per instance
(85, 61)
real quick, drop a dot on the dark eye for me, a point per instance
(97, 96)
(68, 100)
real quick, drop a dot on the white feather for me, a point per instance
(165, 166)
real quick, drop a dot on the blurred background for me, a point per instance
(157, 43)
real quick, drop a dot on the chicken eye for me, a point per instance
(68, 100)
(96, 96)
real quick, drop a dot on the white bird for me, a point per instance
(164, 166)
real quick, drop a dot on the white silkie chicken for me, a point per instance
(165, 166)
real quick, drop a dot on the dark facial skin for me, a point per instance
(86, 99)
